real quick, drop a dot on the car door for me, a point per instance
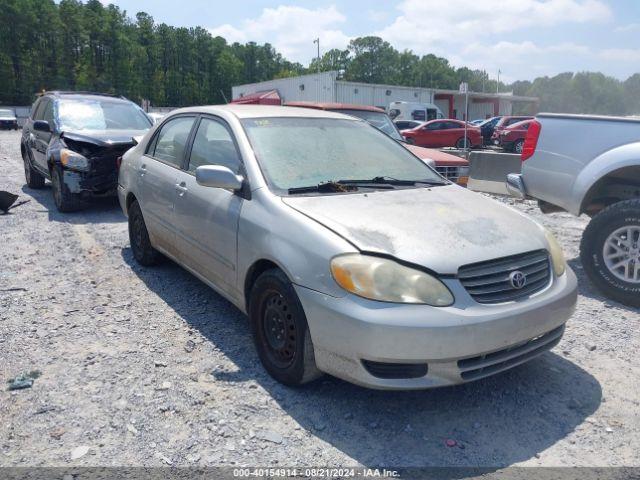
(452, 133)
(434, 134)
(41, 139)
(157, 179)
(206, 217)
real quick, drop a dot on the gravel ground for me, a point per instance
(148, 366)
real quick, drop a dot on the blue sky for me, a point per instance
(522, 38)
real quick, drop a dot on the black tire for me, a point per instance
(517, 146)
(65, 200)
(280, 330)
(143, 251)
(460, 143)
(604, 224)
(34, 179)
(410, 141)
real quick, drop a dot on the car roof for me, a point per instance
(86, 95)
(334, 106)
(261, 111)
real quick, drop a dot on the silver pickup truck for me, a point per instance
(591, 165)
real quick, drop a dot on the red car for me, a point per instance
(451, 167)
(512, 137)
(443, 133)
(505, 122)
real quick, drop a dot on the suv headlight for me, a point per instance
(74, 160)
(382, 279)
(557, 255)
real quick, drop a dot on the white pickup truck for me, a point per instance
(590, 165)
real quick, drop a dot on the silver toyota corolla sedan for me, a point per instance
(349, 255)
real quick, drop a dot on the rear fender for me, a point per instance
(620, 157)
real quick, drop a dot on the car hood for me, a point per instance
(104, 138)
(11, 119)
(437, 156)
(440, 228)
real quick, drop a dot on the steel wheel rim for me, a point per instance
(519, 147)
(279, 330)
(621, 253)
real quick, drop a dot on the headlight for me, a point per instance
(557, 256)
(387, 281)
(71, 159)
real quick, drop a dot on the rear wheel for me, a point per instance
(517, 147)
(33, 178)
(610, 251)
(460, 143)
(141, 247)
(65, 200)
(411, 141)
(280, 330)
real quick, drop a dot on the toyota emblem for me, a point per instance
(517, 279)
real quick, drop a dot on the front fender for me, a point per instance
(620, 157)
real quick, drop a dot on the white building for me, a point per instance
(325, 87)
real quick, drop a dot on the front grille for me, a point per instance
(104, 162)
(396, 370)
(451, 173)
(485, 365)
(489, 282)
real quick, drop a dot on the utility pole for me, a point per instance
(498, 82)
(317, 40)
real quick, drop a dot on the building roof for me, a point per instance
(260, 111)
(334, 106)
(267, 97)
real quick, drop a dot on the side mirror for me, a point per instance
(41, 126)
(218, 176)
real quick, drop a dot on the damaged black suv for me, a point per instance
(75, 139)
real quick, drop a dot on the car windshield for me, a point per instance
(296, 152)
(379, 120)
(6, 114)
(101, 115)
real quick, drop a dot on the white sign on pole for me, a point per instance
(464, 87)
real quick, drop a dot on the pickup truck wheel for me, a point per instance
(33, 178)
(517, 147)
(280, 330)
(65, 200)
(610, 251)
(141, 247)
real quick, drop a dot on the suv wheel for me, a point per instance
(280, 330)
(65, 200)
(141, 247)
(33, 178)
(610, 251)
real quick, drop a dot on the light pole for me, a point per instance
(317, 40)
(498, 82)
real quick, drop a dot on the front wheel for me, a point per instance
(610, 251)
(280, 330)
(65, 200)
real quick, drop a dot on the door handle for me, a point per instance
(142, 170)
(181, 188)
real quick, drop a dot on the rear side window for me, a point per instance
(170, 142)
(213, 145)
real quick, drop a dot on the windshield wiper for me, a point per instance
(386, 180)
(324, 187)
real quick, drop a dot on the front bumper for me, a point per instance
(91, 184)
(351, 332)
